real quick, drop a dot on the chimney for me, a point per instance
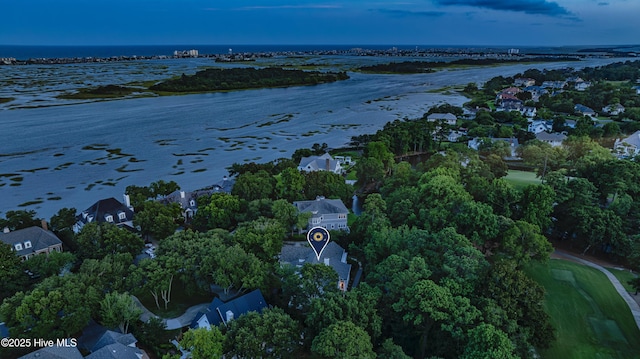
(43, 223)
(326, 261)
(229, 315)
(127, 201)
(182, 194)
(6, 230)
(327, 164)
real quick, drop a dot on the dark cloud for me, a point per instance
(538, 7)
(405, 13)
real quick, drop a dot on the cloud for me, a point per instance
(405, 13)
(603, 3)
(535, 7)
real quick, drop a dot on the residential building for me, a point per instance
(536, 92)
(538, 126)
(54, 352)
(582, 86)
(320, 163)
(613, 110)
(108, 210)
(448, 118)
(528, 111)
(628, 147)
(524, 82)
(297, 254)
(328, 213)
(513, 143)
(219, 312)
(554, 139)
(584, 110)
(31, 241)
(554, 84)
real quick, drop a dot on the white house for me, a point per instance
(524, 82)
(613, 110)
(554, 139)
(448, 118)
(538, 126)
(320, 163)
(628, 147)
(328, 213)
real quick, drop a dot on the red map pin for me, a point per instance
(318, 238)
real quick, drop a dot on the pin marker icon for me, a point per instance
(318, 238)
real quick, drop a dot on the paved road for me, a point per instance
(172, 323)
(633, 305)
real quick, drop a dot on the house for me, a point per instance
(582, 86)
(347, 160)
(320, 163)
(54, 352)
(328, 213)
(454, 136)
(584, 110)
(510, 103)
(31, 241)
(637, 88)
(4, 331)
(554, 139)
(224, 186)
(108, 210)
(513, 143)
(529, 111)
(297, 254)
(502, 96)
(536, 92)
(219, 312)
(117, 351)
(448, 118)
(524, 82)
(554, 84)
(104, 343)
(510, 91)
(628, 147)
(613, 110)
(538, 126)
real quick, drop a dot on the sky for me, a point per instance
(320, 22)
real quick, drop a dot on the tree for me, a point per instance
(343, 340)
(62, 225)
(285, 213)
(487, 342)
(54, 263)
(158, 279)
(157, 219)
(19, 220)
(537, 205)
(151, 334)
(203, 343)
(96, 240)
(635, 283)
(369, 170)
(523, 241)
(262, 237)
(13, 278)
(272, 333)
(290, 184)
(390, 350)
(251, 186)
(218, 211)
(426, 305)
(118, 310)
(161, 188)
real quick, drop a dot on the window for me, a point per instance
(315, 220)
(27, 244)
(18, 246)
(108, 218)
(122, 216)
(342, 216)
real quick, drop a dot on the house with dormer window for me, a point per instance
(29, 242)
(108, 210)
(328, 213)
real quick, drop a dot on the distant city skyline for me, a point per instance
(281, 22)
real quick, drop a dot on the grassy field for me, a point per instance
(521, 179)
(590, 317)
(624, 276)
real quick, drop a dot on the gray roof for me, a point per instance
(99, 211)
(321, 206)
(110, 337)
(115, 351)
(40, 239)
(583, 109)
(300, 253)
(217, 311)
(318, 163)
(545, 136)
(633, 140)
(442, 117)
(54, 352)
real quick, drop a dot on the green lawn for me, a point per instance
(521, 179)
(624, 276)
(179, 303)
(590, 317)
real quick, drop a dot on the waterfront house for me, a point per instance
(320, 163)
(29, 242)
(613, 110)
(582, 86)
(108, 210)
(524, 82)
(447, 118)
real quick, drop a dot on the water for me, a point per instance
(74, 155)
